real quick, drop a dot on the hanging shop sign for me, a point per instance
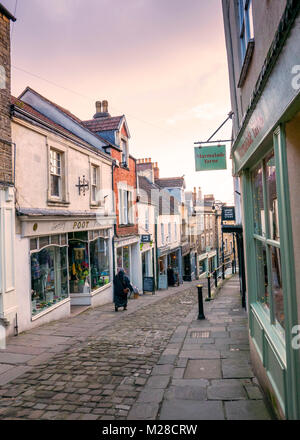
(145, 238)
(228, 213)
(210, 158)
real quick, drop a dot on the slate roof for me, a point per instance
(28, 109)
(170, 182)
(165, 203)
(103, 124)
(5, 12)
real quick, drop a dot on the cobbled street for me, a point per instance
(102, 376)
(155, 361)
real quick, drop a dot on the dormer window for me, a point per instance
(124, 146)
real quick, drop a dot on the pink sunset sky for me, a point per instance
(162, 63)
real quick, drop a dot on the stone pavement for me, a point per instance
(154, 362)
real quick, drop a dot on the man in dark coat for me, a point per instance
(122, 287)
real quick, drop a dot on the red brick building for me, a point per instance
(115, 130)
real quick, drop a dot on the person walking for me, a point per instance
(122, 287)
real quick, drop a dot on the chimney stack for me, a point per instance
(156, 171)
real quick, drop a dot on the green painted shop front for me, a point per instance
(261, 159)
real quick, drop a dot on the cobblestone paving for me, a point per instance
(103, 376)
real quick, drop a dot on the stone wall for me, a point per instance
(6, 175)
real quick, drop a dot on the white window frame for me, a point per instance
(126, 211)
(56, 164)
(124, 148)
(63, 197)
(95, 186)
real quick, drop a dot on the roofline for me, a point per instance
(109, 144)
(15, 110)
(7, 14)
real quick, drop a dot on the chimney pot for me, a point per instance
(105, 106)
(98, 107)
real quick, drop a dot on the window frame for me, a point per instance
(267, 243)
(63, 198)
(246, 30)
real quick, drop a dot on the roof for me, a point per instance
(163, 201)
(27, 108)
(103, 124)
(67, 112)
(170, 182)
(19, 104)
(5, 12)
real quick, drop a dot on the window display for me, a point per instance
(49, 275)
(79, 267)
(123, 259)
(88, 260)
(99, 259)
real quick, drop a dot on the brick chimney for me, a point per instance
(156, 171)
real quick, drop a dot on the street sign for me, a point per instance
(210, 158)
(228, 213)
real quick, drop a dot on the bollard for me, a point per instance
(223, 271)
(208, 287)
(232, 264)
(216, 278)
(200, 302)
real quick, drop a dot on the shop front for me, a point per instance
(266, 156)
(69, 264)
(128, 258)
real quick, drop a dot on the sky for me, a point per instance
(162, 63)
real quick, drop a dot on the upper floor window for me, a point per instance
(162, 233)
(124, 147)
(94, 183)
(147, 219)
(169, 232)
(125, 207)
(55, 173)
(246, 25)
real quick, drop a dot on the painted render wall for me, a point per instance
(32, 179)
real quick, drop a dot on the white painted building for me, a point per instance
(65, 214)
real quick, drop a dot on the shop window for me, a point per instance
(202, 267)
(267, 240)
(99, 259)
(123, 259)
(79, 268)
(49, 277)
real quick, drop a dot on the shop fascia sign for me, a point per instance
(210, 158)
(279, 93)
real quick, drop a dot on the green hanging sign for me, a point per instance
(210, 158)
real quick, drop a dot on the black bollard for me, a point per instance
(208, 288)
(200, 302)
(223, 271)
(216, 278)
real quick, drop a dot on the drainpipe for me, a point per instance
(115, 226)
